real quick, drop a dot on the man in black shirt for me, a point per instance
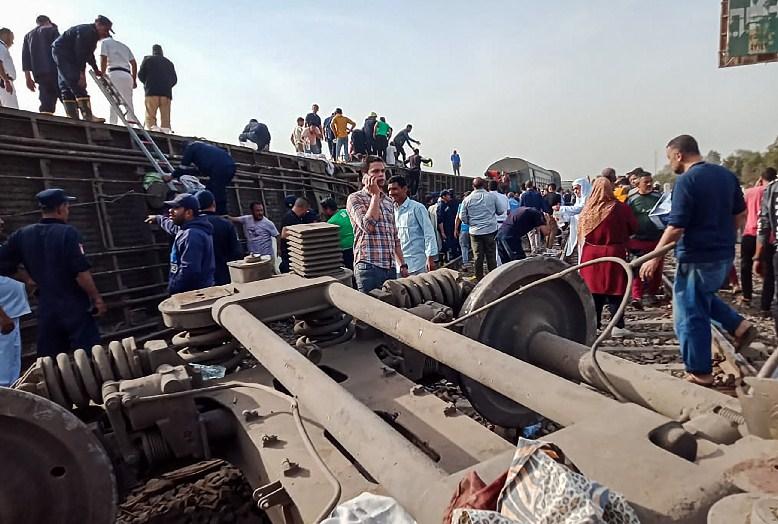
(414, 172)
(519, 222)
(402, 138)
(72, 51)
(299, 214)
(551, 197)
(52, 253)
(226, 246)
(158, 75)
(38, 64)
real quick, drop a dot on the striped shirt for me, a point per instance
(375, 241)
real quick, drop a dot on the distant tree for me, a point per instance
(713, 157)
(665, 175)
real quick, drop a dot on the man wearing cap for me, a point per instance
(72, 51)
(53, 256)
(191, 256)
(213, 162)
(38, 65)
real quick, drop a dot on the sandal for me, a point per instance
(698, 380)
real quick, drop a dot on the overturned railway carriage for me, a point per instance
(520, 172)
(100, 165)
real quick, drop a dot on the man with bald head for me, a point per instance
(297, 215)
(610, 174)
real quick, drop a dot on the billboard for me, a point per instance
(749, 32)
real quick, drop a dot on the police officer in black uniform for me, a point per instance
(54, 262)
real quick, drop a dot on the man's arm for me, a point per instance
(87, 283)
(740, 219)
(173, 75)
(85, 48)
(142, 71)
(430, 240)
(7, 324)
(672, 234)
(764, 228)
(134, 72)
(235, 220)
(167, 225)
(103, 64)
(6, 79)
(457, 226)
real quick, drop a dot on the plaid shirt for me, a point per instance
(375, 241)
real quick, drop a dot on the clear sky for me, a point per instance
(570, 85)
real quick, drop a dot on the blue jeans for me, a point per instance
(695, 304)
(370, 276)
(464, 245)
(341, 143)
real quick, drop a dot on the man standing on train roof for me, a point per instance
(402, 138)
(72, 51)
(52, 253)
(38, 65)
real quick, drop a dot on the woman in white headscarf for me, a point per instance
(582, 189)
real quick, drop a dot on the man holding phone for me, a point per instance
(376, 243)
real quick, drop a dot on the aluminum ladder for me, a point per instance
(139, 135)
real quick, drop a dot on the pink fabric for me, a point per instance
(753, 198)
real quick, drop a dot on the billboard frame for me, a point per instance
(725, 60)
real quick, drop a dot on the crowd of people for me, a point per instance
(54, 64)
(385, 230)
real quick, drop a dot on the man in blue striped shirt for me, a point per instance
(414, 227)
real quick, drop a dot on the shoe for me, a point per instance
(636, 304)
(71, 109)
(86, 110)
(618, 332)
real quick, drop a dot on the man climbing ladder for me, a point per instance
(71, 52)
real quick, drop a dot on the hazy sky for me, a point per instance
(569, 85)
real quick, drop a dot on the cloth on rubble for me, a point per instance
(473, 493)
(544, 487)
(368, 508)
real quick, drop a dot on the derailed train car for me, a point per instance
(519, 171)
(100, 165)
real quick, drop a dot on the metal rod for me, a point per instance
(541, 391)
(665, 394)
(401, 468)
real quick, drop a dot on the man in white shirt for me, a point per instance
(118, 62)
(7, 71)
(414, 228)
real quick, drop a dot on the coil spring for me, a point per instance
(443, 286)
(75, 379)
(208, 346)
(320, 330)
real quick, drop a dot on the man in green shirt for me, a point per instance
(382, 132)
(645, 240)
(339, 217)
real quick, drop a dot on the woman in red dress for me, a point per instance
(604, 228)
